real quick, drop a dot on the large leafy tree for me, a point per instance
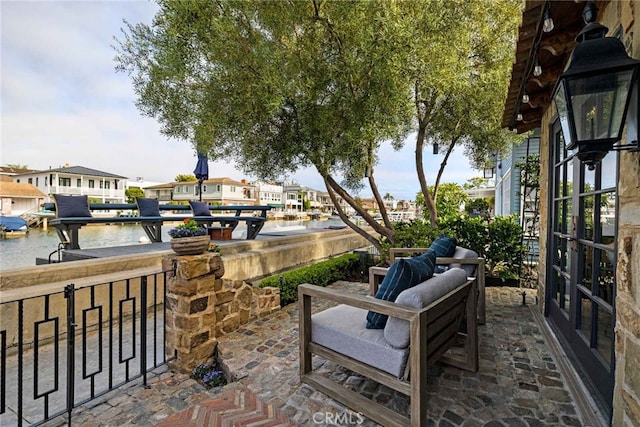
(281, 85)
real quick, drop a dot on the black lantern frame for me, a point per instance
(592, 96)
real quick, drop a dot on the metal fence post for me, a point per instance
(69, 294)
(143, 329)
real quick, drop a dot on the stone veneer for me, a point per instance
(626, 395)
(202, 306)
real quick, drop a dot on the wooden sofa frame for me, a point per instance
(376, 274)
(433, 331)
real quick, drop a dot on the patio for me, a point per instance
(519, 382)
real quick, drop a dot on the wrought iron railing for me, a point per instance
(63, 349)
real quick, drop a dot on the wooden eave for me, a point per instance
(552, 50)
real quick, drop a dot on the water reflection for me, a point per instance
(23, 251)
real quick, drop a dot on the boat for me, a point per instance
(13, 226)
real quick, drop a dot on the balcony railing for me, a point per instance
(61, 350)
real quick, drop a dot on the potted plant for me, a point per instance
(189, 238)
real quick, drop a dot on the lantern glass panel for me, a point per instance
(563, 114)
(598, 103)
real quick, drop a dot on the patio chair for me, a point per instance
(423, 327)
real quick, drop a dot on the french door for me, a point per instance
(581, 280)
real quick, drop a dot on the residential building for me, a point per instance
(99, 186)
(295, 195)
(270, 194)
(508, 176)
(589, 268)
(18, 199)
(162, 192)
(7, 172)
(217, 191)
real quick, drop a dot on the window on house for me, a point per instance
(218, 187)
(30, 180)
(101, 184)
(107, 185)
(79, 182)
(233, 189)
(92, 183)
(64, 182)
(37, 179)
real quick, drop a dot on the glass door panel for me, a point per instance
(581, 292)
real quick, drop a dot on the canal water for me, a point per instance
(22, 251)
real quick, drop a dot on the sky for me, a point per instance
(62, 102)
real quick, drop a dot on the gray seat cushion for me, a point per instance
(343, 329)
(397, 332)
(465, 253)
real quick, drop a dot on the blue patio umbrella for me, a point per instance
(201, 171)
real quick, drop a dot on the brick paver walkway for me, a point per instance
(236, 406)
(518, 383)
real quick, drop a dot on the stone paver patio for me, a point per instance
(518, 384)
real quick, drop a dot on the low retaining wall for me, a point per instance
(244, 260)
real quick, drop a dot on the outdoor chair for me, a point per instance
(424, 326)
(463, 258)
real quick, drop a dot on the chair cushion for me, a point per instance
(200, 209)
(465, 253)
(148, 207)
(403, 274)
(71, 206)
(444, 246)
(397, 332)
(342, 329)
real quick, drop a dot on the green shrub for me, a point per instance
(321, 274)
(412, 234)
(504, 247)
(497, 240)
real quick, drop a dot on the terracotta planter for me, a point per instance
(190, 245)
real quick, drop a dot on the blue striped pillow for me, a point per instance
(403, 274)
(444, 246)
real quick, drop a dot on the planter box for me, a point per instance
(219, 233)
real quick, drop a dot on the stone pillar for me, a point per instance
(191, 302)
(202, 306)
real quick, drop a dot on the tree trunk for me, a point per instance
(431, 206)
(442, 166)
(379, 200)
(331, 186)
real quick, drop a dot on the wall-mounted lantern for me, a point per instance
(487, 173)
(592, 95)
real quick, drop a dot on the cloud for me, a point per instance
(62, 102)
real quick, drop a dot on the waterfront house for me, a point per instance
(215, 191)
(99, 186)
(19, 199)
(269, 194)
(589, 269)
(161, 192)
(295, 195)
(8, 172)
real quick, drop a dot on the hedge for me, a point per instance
(321, 274)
